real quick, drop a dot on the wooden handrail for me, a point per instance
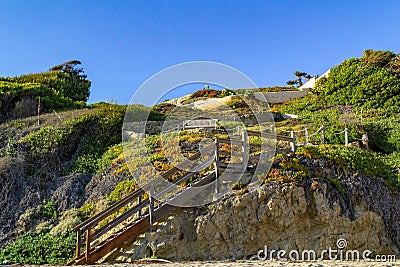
(140, 206)
(230, 154)
(85, 226)
(233, 141)
(110, 210)
(119, 219)
(132, 196)
(271, 136)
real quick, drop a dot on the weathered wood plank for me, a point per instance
(270, 136)
(232, 141)
(78, 244)
(87, 244)
(98, 233)
(104, 214)
(230, 154)
(284, 150)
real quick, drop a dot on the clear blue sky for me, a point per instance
(122, 43)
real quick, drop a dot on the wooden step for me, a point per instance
(131, 232)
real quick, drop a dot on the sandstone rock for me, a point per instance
(277, 216)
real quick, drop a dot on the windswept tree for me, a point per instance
(299, 75)
(384, 59)
(377, 58)
(292, 82)
(299, 78)
(308, 77)
(72, 68)
(68, 79)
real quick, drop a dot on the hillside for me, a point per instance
(63, 87)
(69, 164)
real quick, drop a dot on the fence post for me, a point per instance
(346, 136)
(272, 129)
(216, 165)
(238, 130)
(87, 244)
(78, 243)
(364, 139)
(151, 205)
(139, 200)
(306, 134)
(322, 134)
(38, 112)
(293, 143)
(245, 156)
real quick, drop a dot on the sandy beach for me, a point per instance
(274, 263)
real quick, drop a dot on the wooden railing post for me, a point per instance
(306, 134)
(346, 136)
(38, 112)
(322, 134)
(78, 243)
(216, 165)
(139, 200)
(151, 205)
(87, 244)
(293, 142)
(364, 139)
(245, 156)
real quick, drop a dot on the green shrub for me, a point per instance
(371, 164)
(48, 210)
(67, 221)
(122, 189)
(75, 87)
(86, 211)
(335, 183)
(40, 248)
(237, 104)
(108, 157)
(364, 85)
(51, 99)
(384, 134)
(74, 139)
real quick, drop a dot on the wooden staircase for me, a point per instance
(130, 231)
(134, 215)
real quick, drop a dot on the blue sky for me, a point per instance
(123, 43)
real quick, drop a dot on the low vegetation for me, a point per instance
(361, 94)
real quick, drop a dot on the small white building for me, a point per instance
(311, 82)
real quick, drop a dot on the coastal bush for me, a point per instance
(74, 139)
(369, 163)
(290, 170)
(87, 211)
(108, 158)
(362, 83)
(67, 79)
(50, 98)
(40, 248)
(384, 134)
(122, 189)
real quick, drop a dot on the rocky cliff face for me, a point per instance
(279, 216)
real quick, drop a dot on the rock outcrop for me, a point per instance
(279, 216)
